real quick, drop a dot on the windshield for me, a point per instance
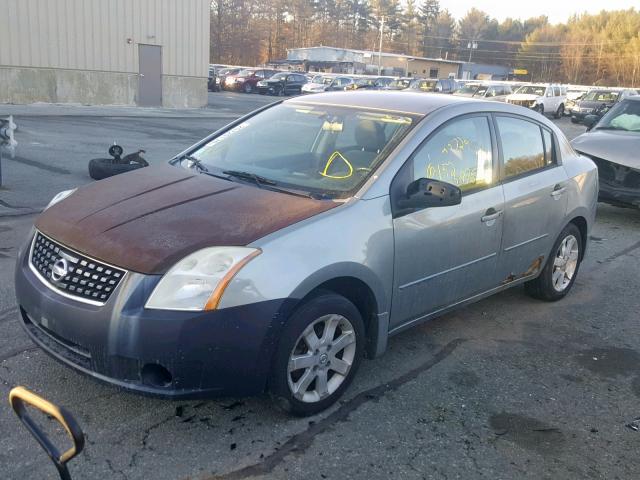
(400, 83)
(469, 89)
(532, 90)
(245, 73)
(622, 116)
(322, 79)
(279, 76)
(480, 92)
(601, 96)
(320, 149)
(424, 85)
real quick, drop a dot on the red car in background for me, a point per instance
(246, 80)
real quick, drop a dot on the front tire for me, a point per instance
(560, 111)
(247, 88)
(319, 353)
(561, 269)
(539, 108)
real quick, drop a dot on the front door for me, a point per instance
(446, 254)
(150, 79)
(535, 198)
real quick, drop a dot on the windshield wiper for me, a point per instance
(201, 168)
(257, 179)
(261, 181)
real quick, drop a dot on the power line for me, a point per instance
(521, 42)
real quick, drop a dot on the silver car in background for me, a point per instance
(295, 241)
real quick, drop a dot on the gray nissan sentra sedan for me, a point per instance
(279, 251)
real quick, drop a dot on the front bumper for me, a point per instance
(580, 115)
(619, 195)
(619, 184)
(223, 352)
(270, 89)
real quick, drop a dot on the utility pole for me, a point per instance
(472, 45)
(380, 47)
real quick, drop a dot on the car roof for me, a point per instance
(402, 101)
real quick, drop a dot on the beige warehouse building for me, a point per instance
(105, 52)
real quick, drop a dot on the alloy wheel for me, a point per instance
(565, 263)
(321, 358)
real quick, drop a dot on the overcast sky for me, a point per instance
(556, 10)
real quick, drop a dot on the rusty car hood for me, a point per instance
(148, 219)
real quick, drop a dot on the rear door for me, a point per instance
(535, 195)
(446, 254)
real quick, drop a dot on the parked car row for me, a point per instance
(597, 102)
(577, 101)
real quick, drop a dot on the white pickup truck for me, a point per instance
(544, 98)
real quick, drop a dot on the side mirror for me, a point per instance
(425, 192)
(590, 121)
(20, 398)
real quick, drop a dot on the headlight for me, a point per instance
(198, 281)
(59, 197)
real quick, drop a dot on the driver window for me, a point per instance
(459, 153)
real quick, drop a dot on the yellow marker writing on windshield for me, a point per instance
(333, 156)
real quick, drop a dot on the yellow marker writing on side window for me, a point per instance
(333, 156)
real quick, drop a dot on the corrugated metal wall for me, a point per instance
(92, 34)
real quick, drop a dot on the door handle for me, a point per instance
(558, 190)
(491, 215)
(141, 74)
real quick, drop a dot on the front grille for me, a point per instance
(617, 174)
(522, 103)
(72, 273)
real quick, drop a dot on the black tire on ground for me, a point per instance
(539, 108)
(560, 112)
(574, 120)
(247, 88)
(324, 303)
(542, 287)
(100, 168)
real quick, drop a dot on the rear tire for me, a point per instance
(100, 168)
(560, 271)
(325, 339)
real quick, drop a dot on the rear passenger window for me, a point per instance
(459, 153)
(522, 147)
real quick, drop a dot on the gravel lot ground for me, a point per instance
(506, 388)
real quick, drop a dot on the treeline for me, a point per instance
(588, 49)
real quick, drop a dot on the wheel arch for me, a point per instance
(361, 287)
(582, 224)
